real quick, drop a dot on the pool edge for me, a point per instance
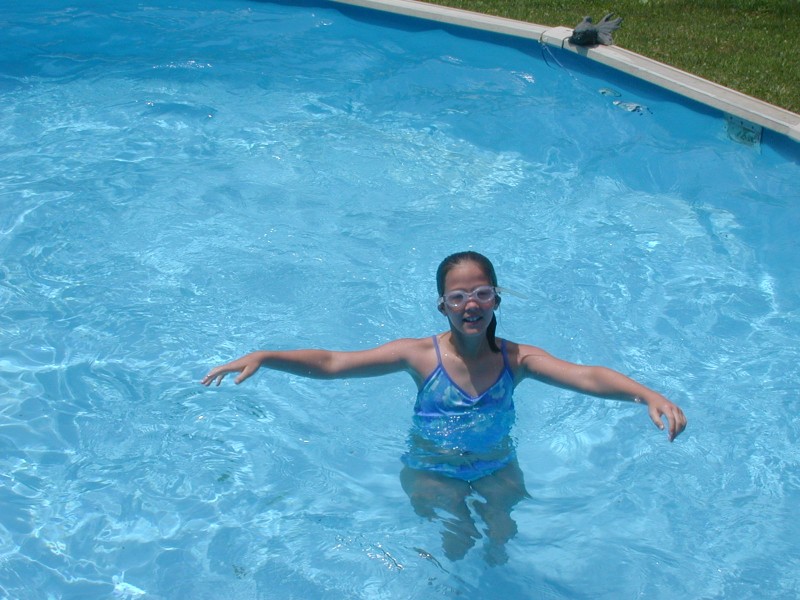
(696, 88)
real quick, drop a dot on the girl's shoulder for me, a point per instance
(518, 353)
(419, 354)
(410, 348)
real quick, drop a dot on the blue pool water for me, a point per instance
(185, 181)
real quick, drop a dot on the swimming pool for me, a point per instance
(186, 181)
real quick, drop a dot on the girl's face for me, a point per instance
(473, 317)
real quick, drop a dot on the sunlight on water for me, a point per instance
(183, 183)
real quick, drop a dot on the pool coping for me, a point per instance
(696, 88)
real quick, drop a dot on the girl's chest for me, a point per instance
(473, 378)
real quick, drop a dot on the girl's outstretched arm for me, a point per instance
(324, 364)
(602, 382)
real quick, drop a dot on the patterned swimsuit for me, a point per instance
(460, 435)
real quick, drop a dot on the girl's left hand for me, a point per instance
(661, 407)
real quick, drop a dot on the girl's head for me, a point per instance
(485, 266)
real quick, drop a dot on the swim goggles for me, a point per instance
(482, 294)
(457, 298)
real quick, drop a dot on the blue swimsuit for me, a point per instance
(459, 435)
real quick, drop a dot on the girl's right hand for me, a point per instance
(246, 366)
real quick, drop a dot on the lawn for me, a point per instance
(748, 45)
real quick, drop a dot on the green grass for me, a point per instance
(747, 45)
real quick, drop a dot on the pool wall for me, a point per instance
(730, 102)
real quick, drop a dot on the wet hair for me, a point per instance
(488, 269)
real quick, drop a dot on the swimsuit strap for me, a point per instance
(505, 355)
(438, 354)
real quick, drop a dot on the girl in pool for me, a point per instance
(459, 444)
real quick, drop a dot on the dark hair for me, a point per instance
(486, 266)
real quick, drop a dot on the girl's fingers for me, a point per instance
(246, 373)
(213, 374)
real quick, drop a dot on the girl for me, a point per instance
(465, 376)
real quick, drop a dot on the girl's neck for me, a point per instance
(469, 347)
